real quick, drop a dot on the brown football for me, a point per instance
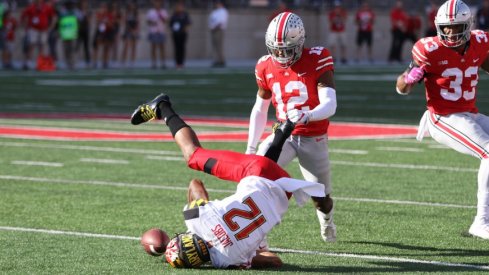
(154, 241)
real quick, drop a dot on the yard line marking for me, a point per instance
(37, 163)
(404, 166)
(374, 257)
(59, 232)
(165, 158)
(399, 149)
(107, 161)
(348, 151)
(152, 186)
(91, 148)
(273, 249)
(419, 203)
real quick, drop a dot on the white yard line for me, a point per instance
(283, 250)
(154, 186)
(105, 161)
(403, 166)
(36, 163)
(400, 149)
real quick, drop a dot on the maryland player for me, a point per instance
(229, 232)
(299, 82)
(449, 65)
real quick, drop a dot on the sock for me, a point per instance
(483, 192)
(281, 135)
(172, 120)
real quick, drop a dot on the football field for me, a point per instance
(79, 184)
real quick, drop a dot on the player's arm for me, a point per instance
(327, 102)
(265, 259)
(485, 65)
(196, 191)
(258, 119)
(405, 81)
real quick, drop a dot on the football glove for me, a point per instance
(298, 116)
(414, 75)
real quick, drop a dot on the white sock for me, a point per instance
(483, 192)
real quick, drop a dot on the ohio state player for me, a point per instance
(228, 232)
(449, 64)
(299, 82)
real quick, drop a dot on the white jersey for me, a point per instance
(236, 225)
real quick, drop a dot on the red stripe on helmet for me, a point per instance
(281, 26)
(451, 9)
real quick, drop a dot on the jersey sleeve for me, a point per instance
(419, 53)
(482, 39)
(260, 72)
(324, 61)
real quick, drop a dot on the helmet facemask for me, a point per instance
(454, 14)
(285, 38)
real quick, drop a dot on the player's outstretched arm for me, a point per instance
(196, 191)
(266, 259)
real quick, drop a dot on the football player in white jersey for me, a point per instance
(448, 64)
(299, 83)
(229, 232)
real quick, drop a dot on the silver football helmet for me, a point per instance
(453, 13)
(285, 38)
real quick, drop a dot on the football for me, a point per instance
(155, 241)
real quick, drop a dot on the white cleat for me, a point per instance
(328, 228)
(479, 230)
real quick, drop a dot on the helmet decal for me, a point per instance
(452, 6)
(282, 26)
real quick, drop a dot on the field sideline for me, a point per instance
(78, 205)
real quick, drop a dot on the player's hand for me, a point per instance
(415, 75)
(298, 117)
(250, 150)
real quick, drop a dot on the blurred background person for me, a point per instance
(399, 21)
(37, 19)
(281, 7)
(431, 11)
(218, 22)
(115, 10)
(9, 25)
(482, 16)
(53, 31)
(413, 29)
(131, 33)
(68, 32)
(157, 17)
(104, 22)
(179, 24)
(84, 15)
(365, 19)
(337, 31)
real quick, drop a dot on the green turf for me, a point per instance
(141, 192)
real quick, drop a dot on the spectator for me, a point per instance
(131, 33)
(482, 16)
(37, 19)
(53, 31)
(104, 21)
(179, 24)
(218, 21)
(9, 25)
(365, 19)
(282, 7)
(115, 10)
(157, 17)
(337, 36)
(84, 16)
(68, 32)
(413, 28)
(399, 21)
(431, 11)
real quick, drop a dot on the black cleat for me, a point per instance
(282, 132)
(149, 111)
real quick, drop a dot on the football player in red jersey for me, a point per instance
(299, 82)
(448, 64)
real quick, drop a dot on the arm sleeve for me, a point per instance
(327, 104)
(258, 121)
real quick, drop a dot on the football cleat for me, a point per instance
(148, 111)
(328, 228)
(479, 230)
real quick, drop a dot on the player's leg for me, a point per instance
(315, 166)
(467, 133)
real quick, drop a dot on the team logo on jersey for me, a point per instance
(443, 62)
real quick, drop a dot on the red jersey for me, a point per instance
(38, 17)
(414, 24)
(399, 19)
(295, 87)
(10, 24)
(365, 20)
(337, 20)
(451, 78)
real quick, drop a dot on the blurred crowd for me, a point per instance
(102, 33)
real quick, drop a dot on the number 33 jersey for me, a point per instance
(295, 87)
(451, 78)
(236, 225)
